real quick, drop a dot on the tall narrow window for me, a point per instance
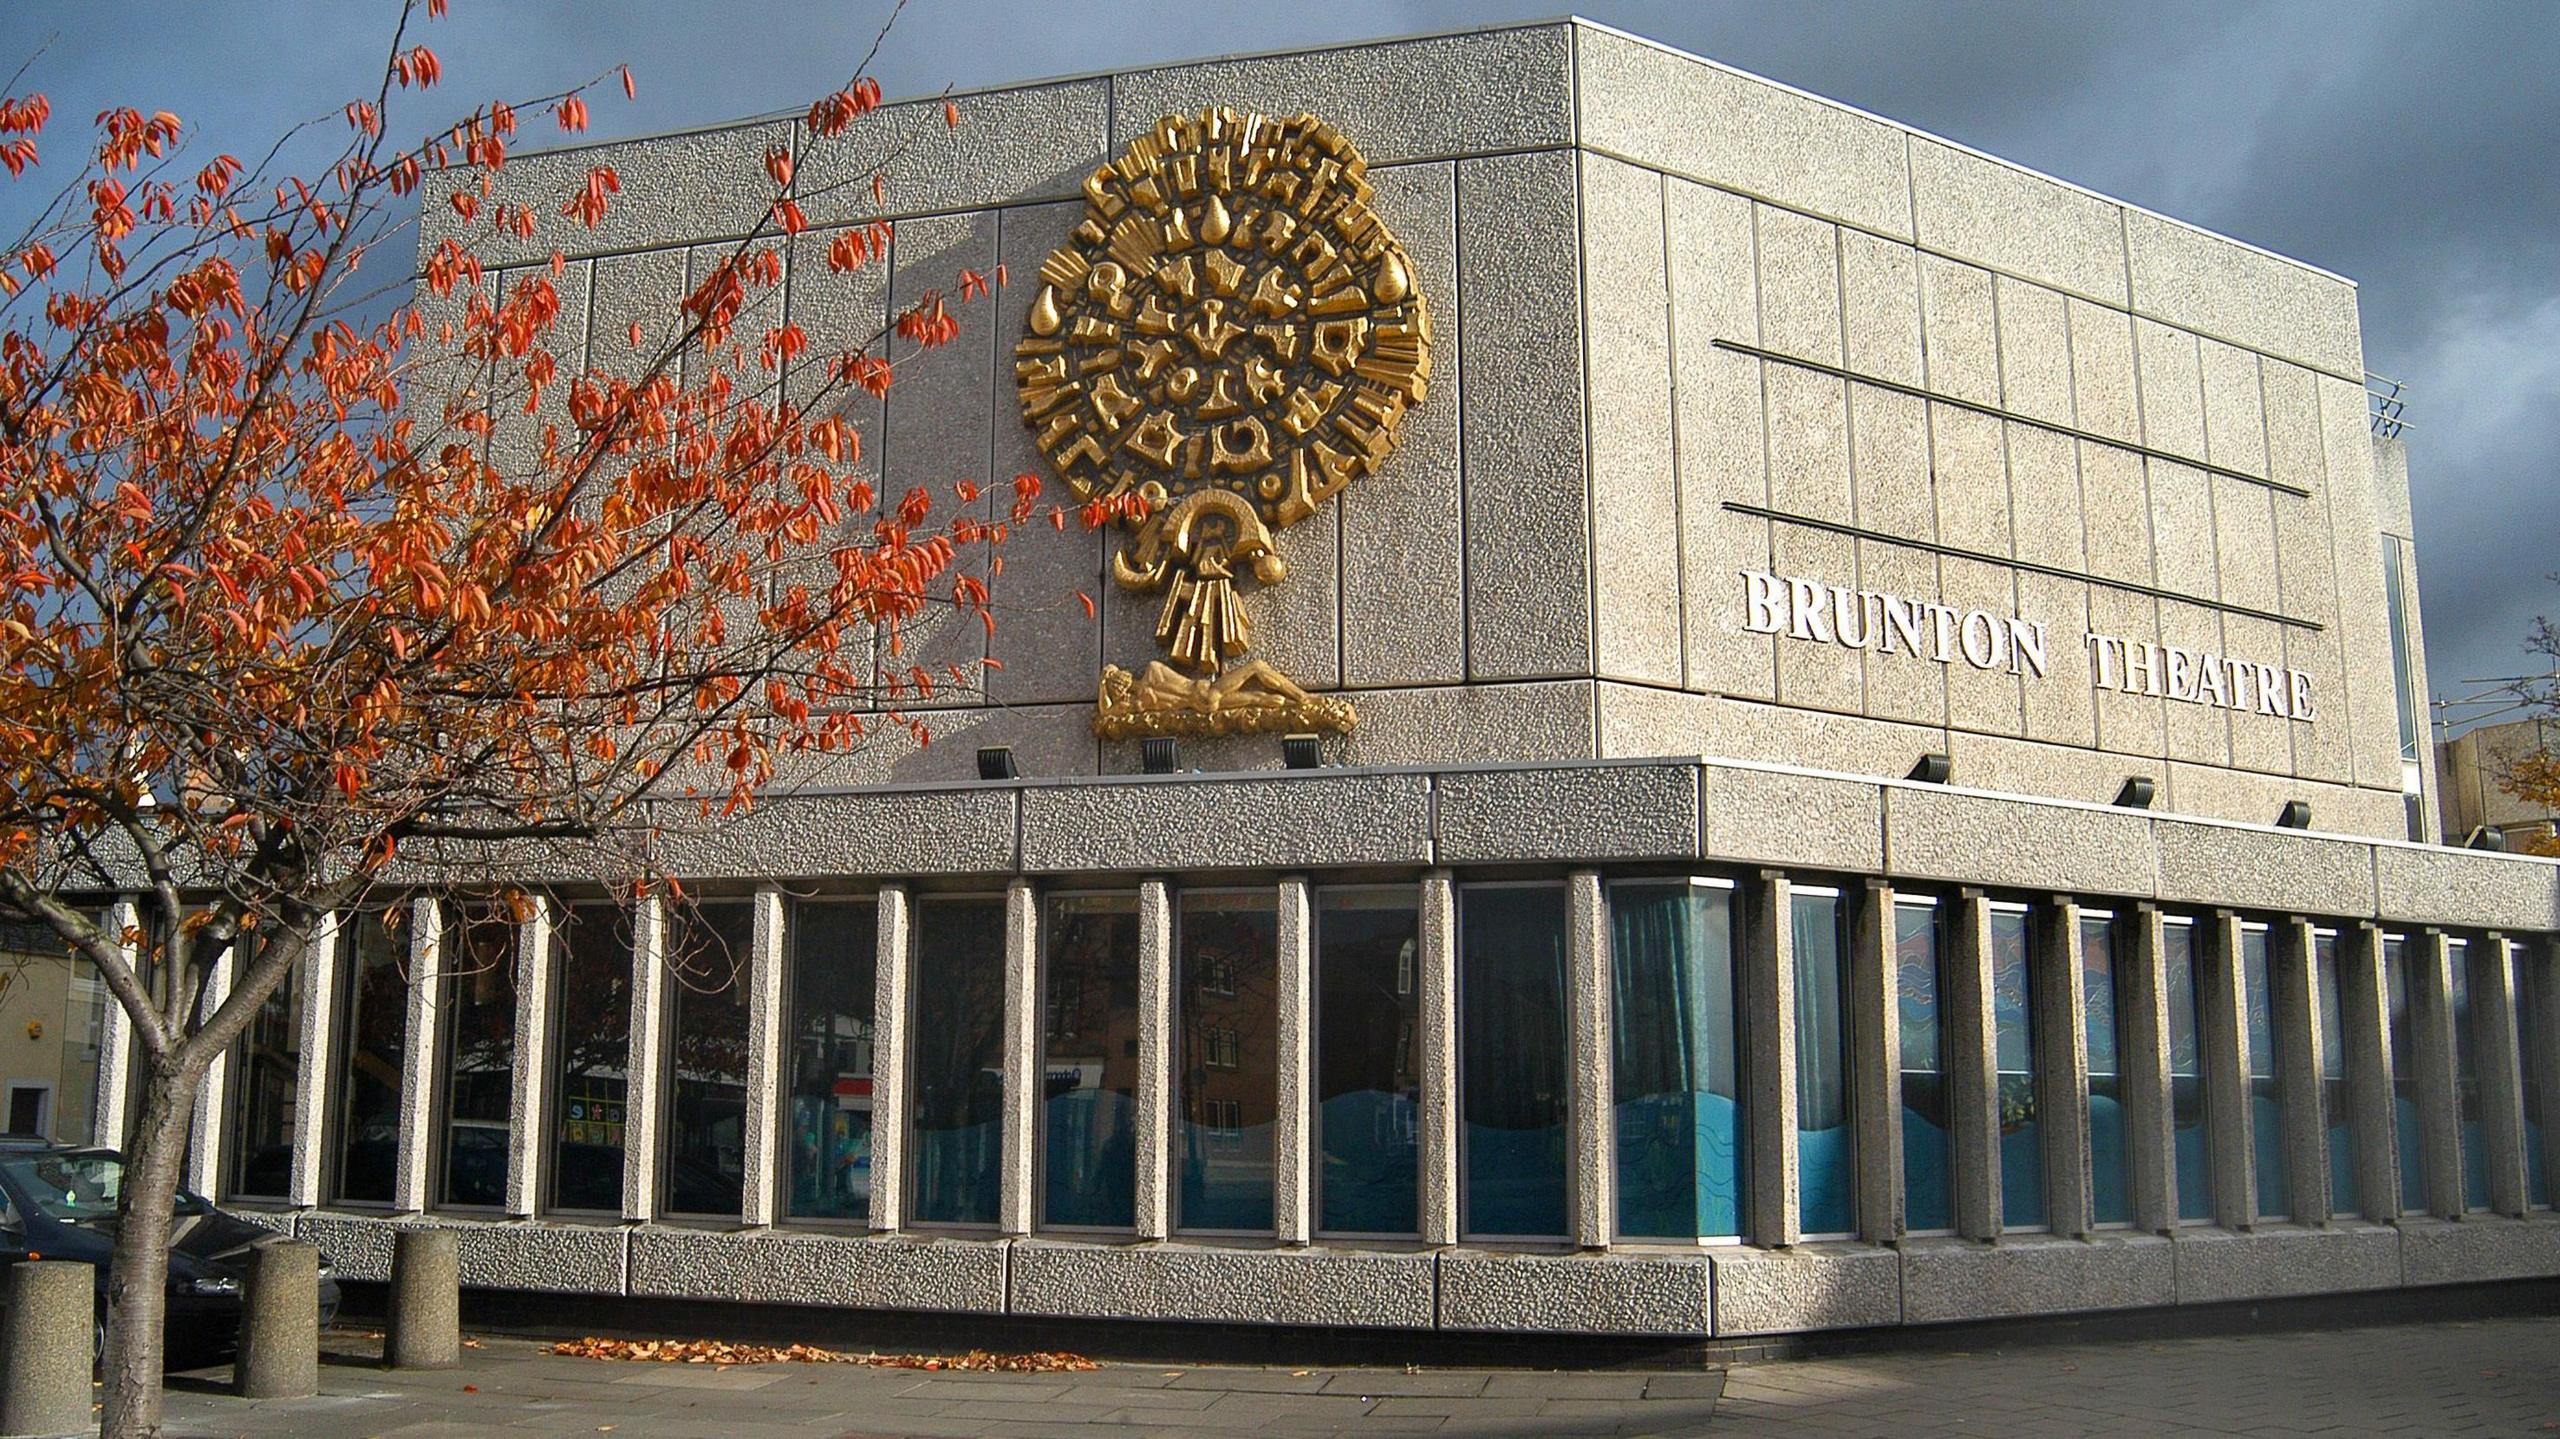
(1227, 956)
(2466, 1076)
(1368, 1070)
(84, 1018)
(1919, 964)
(958, 1117)
(708, 946)
(2189, 1119)
(2337, 1099)
(263, 1068)
(591, 1048)
(1826, 1148)
(835, 956)
(1512, 1066)
(2013, 1024)
(372, 1038)
(2530, 1041)
(2110, 1191)
(2408, 1127)
(2266, 1096)
(1089, 1064)
(479, 981)
(1675, 1062)
(2403, 674)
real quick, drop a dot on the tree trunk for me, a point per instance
(138, 1283)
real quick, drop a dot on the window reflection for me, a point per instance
(2266, 1100)
(2188, 1118)
(591, 1049)
(2110, 1190)
(2530, 1041)
(2013, 1020)
(2407, 1125)
(2337, 1100)
(1826, 1145)
(1675, 1063)
(1919, 975)
(2466, 1077)
(1511, 1038)
(708, 947)
(1089, 1063)
(479, 998)
(958, 1117)
(373, 1037)
(1368, 1074)
(834, 963)
(264, 1068)
(1227, 1053)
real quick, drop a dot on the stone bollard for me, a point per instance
(48, 1333)
(425, 1329)
(280, 1324)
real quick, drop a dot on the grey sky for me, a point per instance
(2413, 147)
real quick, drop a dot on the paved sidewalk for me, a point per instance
(2490, 1377)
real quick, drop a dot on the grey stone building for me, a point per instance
(1884, 788)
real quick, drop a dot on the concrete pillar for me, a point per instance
(317, 1041)
(2431, 1034)
(115, 1039)
(889, 1018)
(1016, 1167)
(1155, 1060)
(2364, 1022)
(1973, 1083)
(766, 1051)
(644, 1088)
(279, 1354)
(1875, 1061)
(2059, 988)
(210, 1125)
(1292, 1149)
(1437, 1039)
(1591, 1147)
(2224, 1038)
(47, 1310)
(2301, 1051)
(421, 1063)
(2538, 959)
(2493, 1039)
(1769, 1007)
(529, 1092)
(2142, 1007)
(424, 1327)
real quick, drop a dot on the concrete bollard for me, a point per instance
(48, 1331)
(280, 1324)
(425, 1329)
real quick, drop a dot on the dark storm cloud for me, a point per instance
(2410, 147)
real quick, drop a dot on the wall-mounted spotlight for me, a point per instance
(1932, 769)
(2296, 814)
(1301, 751)
(1160, 754)
(2137, 792)
(2488, 837)
(996, 762)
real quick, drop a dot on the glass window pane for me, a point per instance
(372, 1036)
(2266, 1100)
(2529, 1047)
(263, 1068)
(2407, 1124)
(1368, 1074)
(2013, 1021)
(2466, 1078)
(1089, 1063)
(2337, 1100)
(1826, 1156)
(591, 1056)
(835, 961)
(958, 1119)
(1227, 1056)
(2403, 675)
(480, 1056)
(1919, 981)
(1511, 1038)
(2188, 1118)
(708, 945)
(84, 1019)
(1676, 1066)
(2110, 1191)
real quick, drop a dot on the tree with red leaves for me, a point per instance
(321, 582)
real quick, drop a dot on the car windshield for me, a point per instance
(76, 1185)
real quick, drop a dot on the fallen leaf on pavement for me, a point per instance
(721, 1352)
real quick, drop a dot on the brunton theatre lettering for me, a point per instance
(1806, 609)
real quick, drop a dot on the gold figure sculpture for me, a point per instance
(1231, 336)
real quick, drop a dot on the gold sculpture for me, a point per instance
(1230, 338)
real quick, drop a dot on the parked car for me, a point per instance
(58, 1201)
